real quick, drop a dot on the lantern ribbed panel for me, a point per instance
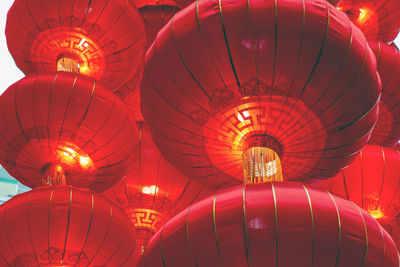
(273, 224)
(106, 37)
(64, 226)
(372, 181)
(387, 130)
(221, 72)
(378, 19)
(49, 118)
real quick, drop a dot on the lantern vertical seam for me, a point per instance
(28, 219)
(383, 178)
(33, 112)
(313, 224)
(383, 241)
(161, 249)
(340, 229)
(68, 224)
(362, 179)
(17, 115)
(48, 223)
(188, 237)
(215, 230)
(48, 110)
(8, 237)
(366, 235)
(87, 107)
(276, 224)
(105, 236)
(227, 44)
(246, 234)
(89, 228)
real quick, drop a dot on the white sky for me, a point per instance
(9, 71)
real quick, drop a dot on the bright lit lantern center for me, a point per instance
(68, 64)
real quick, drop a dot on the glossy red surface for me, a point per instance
(378, 19)
(66, 120)
(154, 17)
(153, 191)
(387, 130)
(334, 2)
(279, 224)
(372, 181)
(106, 37)
(64, 226)
(222, 72)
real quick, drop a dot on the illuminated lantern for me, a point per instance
(102, 39)
(64, 226)
(231, 90)
(378, 19)
(387, 130)
(372, 181)
(272, 224)
(64, 128)
(153, 191)
(155, 17)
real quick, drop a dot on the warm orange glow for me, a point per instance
(377, 213)
(84, 70)
(363, 14)
(67, 64)
(147, 219)
(71, 157)
(150, 190)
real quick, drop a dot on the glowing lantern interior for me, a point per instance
(68, 64)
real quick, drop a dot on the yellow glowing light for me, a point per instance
(150, 190)
(377, 214)
(84, 161)
(363, 13)
(245, 113)
(84, 69)
(71, 157)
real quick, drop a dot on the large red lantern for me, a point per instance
(372, 181)
(260, 83)
(64, 128)
(378, 19)
(154, 17)
(64, 226)
(103, 39)
(272, 224)
(387, 130)
(153, 191)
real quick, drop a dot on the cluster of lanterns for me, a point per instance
(126, 140)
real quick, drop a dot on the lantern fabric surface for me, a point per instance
(154, 17)
(378, 19)
(220, 75)
(272, 224)
(153, 191)
(64, 226)
(103, 39)
(387, 130)
(372, 181)
(69, 124)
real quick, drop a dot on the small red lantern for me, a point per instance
(153, 191)
(102, 39)
(378, 19)
(236, 89)
(64, 226)
(387, 130)
(272, 224)
(372, 181)
(64, 128)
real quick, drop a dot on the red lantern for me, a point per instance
(228, 83)
(155, 17)
(372, 181)
(64, 226)
(387, 130)
(64, 128)
(272, 224)
(153, 191)
(102, 39)
(378, 19)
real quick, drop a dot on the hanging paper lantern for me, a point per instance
(103, 39)
(263, 84)
(64, 128)
(153, 191)
(272, 224)
(372, 181)
(64, 226)
(155, 17)
(387, 130)
(378, 19)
